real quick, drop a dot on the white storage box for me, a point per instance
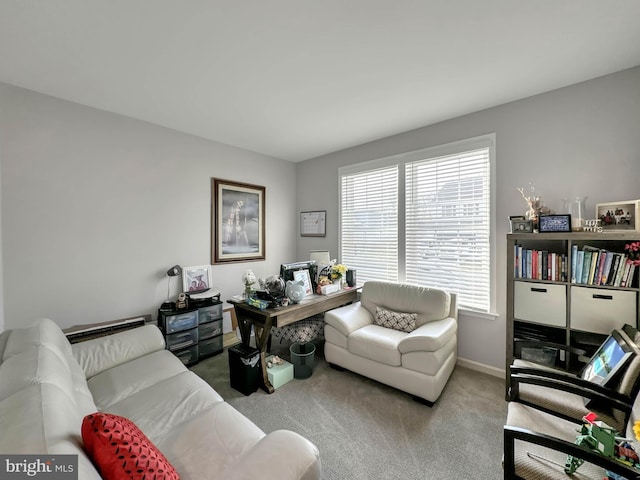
(600, 310)
(542, 303)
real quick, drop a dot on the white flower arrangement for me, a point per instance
(249, 278)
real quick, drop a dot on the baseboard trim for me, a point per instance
(481, 367)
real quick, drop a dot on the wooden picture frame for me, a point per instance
(313, 224)
(619, 216)
(238, 221)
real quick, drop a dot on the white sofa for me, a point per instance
(47, 386)
(419, 362)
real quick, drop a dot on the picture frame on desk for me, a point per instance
(554, 223)
(619, 216)
(238, 221)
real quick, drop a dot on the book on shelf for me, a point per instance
(586, 268)
(574, 263)
(602, 263)
(620, 270)
(594, 267)
(579, 263)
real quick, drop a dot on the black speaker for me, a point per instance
(351, 278)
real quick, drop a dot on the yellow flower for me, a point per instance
(337, 271)
(636, 429)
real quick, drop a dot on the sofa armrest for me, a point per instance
(100, 354)
(280, 455)
(429, 337)
(349, 318)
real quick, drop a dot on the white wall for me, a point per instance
(578, 140)
(2, 327)
(96, 207)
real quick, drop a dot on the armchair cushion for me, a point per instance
(403, 322)
(377, 343)
(429, 303)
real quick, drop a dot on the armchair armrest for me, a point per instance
(511, 434)
(281, 455)
(566, 383)
(518, 345)
(349, 318)
(430, 337)
(100, 354)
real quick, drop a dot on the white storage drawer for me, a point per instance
(600, 310)
(543, 303)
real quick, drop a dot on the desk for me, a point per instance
(263, 320)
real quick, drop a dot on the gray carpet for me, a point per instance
(365, 430)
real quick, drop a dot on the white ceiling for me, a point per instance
(296, 79)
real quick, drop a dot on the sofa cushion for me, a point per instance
(404, 322)
(41, 419)
(429, 303)
(118, 383)
(121, 451)
(377, 343)
(167, 404)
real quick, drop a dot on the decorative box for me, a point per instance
(279, 374)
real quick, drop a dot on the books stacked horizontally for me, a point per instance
(597, 266)
(540, 264)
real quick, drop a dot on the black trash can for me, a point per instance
(302, 358)
(244, 368)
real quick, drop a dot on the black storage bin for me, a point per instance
(244, 368)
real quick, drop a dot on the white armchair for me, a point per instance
(404, 336)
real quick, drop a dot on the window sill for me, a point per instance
(478, 315)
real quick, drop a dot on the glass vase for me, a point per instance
(578, 219)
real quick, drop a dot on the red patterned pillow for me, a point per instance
(121, 451)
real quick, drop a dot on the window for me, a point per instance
(424, 218)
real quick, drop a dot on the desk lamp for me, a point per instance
(172, 272)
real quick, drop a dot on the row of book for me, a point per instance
(597, 266)
(589, 266)
(540, 264)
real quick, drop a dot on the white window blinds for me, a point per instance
(423, 217)
(448, 225)
(369, 223)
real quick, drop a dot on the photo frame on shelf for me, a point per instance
(196, 279)
(238, 221)
(619, 216)
(557, 223)
(520, 225)
(313, 224)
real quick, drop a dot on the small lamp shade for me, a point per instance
(174, 271)
(321, 257)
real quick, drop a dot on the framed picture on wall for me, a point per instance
(238, 221)
(313, 224)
